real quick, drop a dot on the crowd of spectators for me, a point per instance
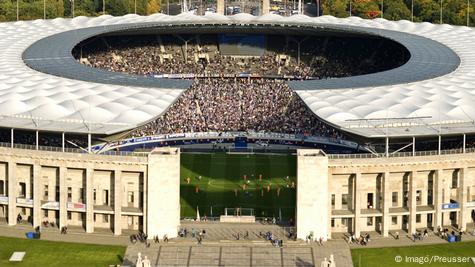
(217, 101)
(317, 57)
(238, 105)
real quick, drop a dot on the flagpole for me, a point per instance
(44, 9)
(17, 10)
(72, 8)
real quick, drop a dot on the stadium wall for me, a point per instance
(124, 194)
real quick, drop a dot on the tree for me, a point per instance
(8, 10)
(115, 7)
(368, 9)
(141, 6)
(426, 10)
(153, 7)
(30, 9)
(335, 8)
(454, 12)
(54, 8)
(81, 8)
(396, 10)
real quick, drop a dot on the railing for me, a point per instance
(402, 154)
(282, 138)
(69, 150)
(331, 156)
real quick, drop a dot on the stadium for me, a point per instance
(327, 127)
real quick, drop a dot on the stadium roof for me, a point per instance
(435, 95)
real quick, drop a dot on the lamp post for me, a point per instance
(350, 8)
(412, 10)
(468, 13)
(440, 11)
(318, 8)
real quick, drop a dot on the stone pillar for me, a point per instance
(12, 193)
(387, 202)
(144, 198)
(312, 194)
(36, 195)
(63, 197)
(117, 202)
(220, 7)
(265, 7)
(462, 198)
(89, 201)
(412, 202)
(357, 204)
(438, 185)
(163, 192)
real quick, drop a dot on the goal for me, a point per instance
(238, 212)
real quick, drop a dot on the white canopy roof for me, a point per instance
(35, 100)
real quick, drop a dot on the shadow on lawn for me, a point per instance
(267, 206)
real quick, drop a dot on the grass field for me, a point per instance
(222, 184)
(51, 254)
(387, 256)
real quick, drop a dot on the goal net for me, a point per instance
(240, 150)
(238, 211)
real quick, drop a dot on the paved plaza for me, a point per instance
(221, 248)
(242, 253)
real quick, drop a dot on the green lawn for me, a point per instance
(51, 254)
(222, 176)
(387, 256)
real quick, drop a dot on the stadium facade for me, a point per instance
(43, 88)
(335, 193)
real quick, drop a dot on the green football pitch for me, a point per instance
(51, 254)
(212, 182)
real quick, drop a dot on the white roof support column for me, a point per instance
(89, 142)
(413, 146)
(464, 143)
(386, 150)
(12, 139)
(62, 141)
(439, 145)
(37, 140)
